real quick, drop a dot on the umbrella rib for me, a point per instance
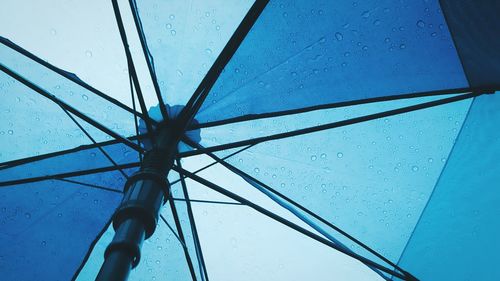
(194, 230)
(70, 108)
(69, 174)
(136, 124)
(290, 224)
(304, 209)
(173, 231)
(251, 117)
(94, 142)
(90, 185)
(330, 125)
(31, 159)
(131, 66)
(70, 76)
(201, 92)
(187, 140)
(148, 58)
(181, 236)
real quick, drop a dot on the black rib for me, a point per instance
(181, 236)
(91, 248)
(136, 124)
(201, 92)
(288, 223)
(70, 76)
(69, 174)
(330, 125)
(299, 206)
(94, 142)
(208, 201)
(31, 159)
(194, 230)
(91, 185)
(211, 164)
(70, 108)
(148, 58)
(131, 67)
(251, 117)
(173, 231)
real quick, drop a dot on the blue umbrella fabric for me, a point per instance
(369, 128)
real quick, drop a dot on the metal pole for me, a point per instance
(136, 218)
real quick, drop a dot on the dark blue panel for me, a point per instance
(475, 28)
(304, 53)
(46, 228)
(457, 236)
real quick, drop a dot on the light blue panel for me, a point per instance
(457, 235)
(305, 53)
(87, 102)
(185, 38)
(32, 124)
(371, 179)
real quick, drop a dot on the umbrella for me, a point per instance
(264, 140)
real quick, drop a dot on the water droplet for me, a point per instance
(157, 261)
(168, 26)
(10, 132)
(340, 155)
(53, 31)
(207, 14)
(339, 36)
(376, 22)
(44, 243)
(430, 160)
(414, 168)
(443, 159)
(85, 97)
(365, 48)
(257, 170)
(323, 156)
(217, 27)
(285, 14)
(421, 23)
(27, 215)
(433, 34)
(172, 17)
(208, 51)
(408, 215)
(313, 157)
(88, 53)
(59, 214)
(173, 32)
(365, 14)
(402, 46)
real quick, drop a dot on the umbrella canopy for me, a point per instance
(266, 140)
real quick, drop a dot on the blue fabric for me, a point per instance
(305, 53)
(87, 102)
(184, 40)
(456, 237)
(474, 26)
(47, 228)
(370, 179)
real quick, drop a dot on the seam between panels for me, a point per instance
(91, 248)
(436, 184)
(454, 42)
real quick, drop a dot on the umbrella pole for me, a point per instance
(136, 218)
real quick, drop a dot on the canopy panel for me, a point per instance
(370, 179)
(459, 228)
(474, 26)
(184, 39)
(304, 53)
